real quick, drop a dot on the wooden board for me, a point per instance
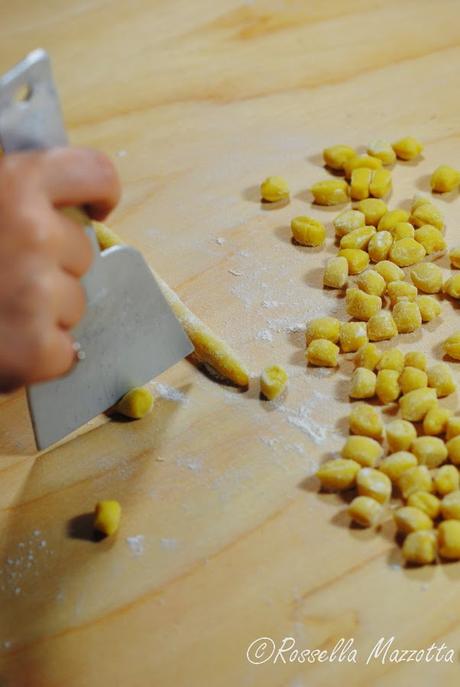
(224, 538)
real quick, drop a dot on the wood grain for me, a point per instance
(197, 102)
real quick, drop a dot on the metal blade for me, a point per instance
(128, 336)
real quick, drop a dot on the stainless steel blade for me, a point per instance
(129, 333)
(128, 336)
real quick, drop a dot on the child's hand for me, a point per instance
(43, 255)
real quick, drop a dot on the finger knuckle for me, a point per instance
(106, 172)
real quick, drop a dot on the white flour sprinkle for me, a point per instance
(285, 324)
(220, 241)
(121, 153)
(269, 304)
(269, 441)
(136, 544)
(236, 273)
(168, 543)
(303, 419)
(264, 335)
(193, 464)
(170, 393)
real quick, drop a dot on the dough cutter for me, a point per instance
(128, 334)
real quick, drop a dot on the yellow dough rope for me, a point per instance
(209, 348)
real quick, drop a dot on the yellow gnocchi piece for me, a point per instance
(435, 421)
(403, 230)
(380, 184)
(453, 449)
(347, 221)
(374, 484)
(365, 510)
(330, 192)
(364, 450)
(444, 179)
(406, 252)
(361, 305)
(360, 183)
(414, 479)
(451, 346)
(430, 238)
(427, 213)
(387, 387)
(392, 359)
(400, 435)
(353, 335)
(409, 519)
(396, 463)
(136, 403)
(429, 451)
(336, 156)
(446, 480)
(420, 199)
(450, 505)
(323, 328)
(107, 515)
(389, 271)
(371, 282)
(323, 353)
(368, 356)
(429, 307)
(415, 405)
(453, 427)
(338, 474)
(454, 257)
(391, 218)
(415, 359)
(407, 148)
(273, 381)
(382, 149)
(427, 277)
(412, 378)
(379, 246)
(373, 210)
(363, 383)
(308, 231)
(401, 290)
(356, 258)
(407, 316)
(361, 162)
(358, 238)
(420, 547)
(274, 189)
(381, 326)
(449, 539)
(440, 378)
(365, 421)
(452, 286)
(426, 502)
(335, 273)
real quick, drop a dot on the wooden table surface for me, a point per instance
(224, 537)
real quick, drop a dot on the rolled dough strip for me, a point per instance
(209, 348)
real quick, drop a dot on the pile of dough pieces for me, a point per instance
(408, 469)
(385, 266)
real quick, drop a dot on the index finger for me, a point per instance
(81, 177)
